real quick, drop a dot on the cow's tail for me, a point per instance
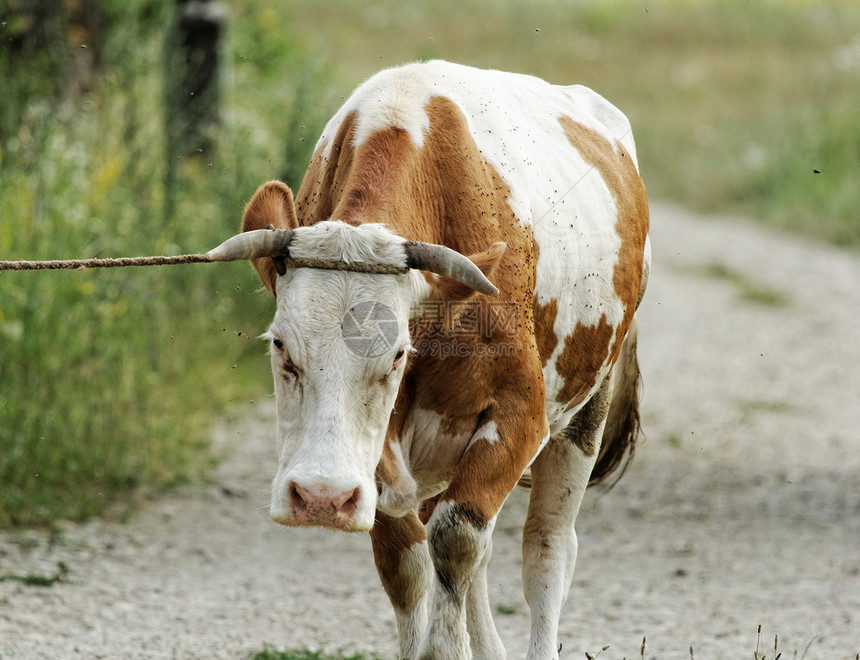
(622, 423)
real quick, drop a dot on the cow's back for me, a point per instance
(572, 208)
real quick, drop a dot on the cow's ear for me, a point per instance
(444, 288)
(271, 206)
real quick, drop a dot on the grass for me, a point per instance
(33, 580)
(762, 651)
(747, 288)
(272, 654)
(109, 379)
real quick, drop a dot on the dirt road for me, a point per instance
(741, 509)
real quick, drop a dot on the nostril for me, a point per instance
(325, 506)
(297, 496)
(349, 505)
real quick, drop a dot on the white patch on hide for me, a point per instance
(489, 432)
(398, 498)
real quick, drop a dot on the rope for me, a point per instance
(81, 264)
(355, 267)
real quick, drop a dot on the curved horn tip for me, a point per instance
(252, 245)
(227, 251)
(230, 250)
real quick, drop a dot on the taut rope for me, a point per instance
(81, 264)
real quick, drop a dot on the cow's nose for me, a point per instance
(325, 507)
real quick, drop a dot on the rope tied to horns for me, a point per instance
(275, 245)
(294, 262)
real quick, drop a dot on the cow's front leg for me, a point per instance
(560, 475)
(458, 537)
(484, 640)
(406, 571)
(460, 529)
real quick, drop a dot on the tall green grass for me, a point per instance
(108, 379)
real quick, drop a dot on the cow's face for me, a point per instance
(339, 345)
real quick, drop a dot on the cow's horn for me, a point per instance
(253, 245)
(450, 263)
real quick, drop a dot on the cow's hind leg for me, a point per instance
(404, 566)
(560, 475)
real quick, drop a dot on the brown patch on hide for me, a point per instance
(544, 332)
(392, 539)
(387, 470)
(619, 174)
(327, 175)
(487, 473)
(584, 353)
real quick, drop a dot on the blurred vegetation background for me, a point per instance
(110, 380)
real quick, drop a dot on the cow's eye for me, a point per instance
(277, 343)
(398, 357)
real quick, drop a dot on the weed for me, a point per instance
(762, 656)
(269, 653)
(589, 656)
(33, 580)
(747, 288)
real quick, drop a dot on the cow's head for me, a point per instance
(339, 345)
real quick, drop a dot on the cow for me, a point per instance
(456, 284)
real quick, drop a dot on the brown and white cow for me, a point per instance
(412, 401)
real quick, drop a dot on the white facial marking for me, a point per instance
(334, 400)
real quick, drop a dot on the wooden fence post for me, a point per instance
(193, 87)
